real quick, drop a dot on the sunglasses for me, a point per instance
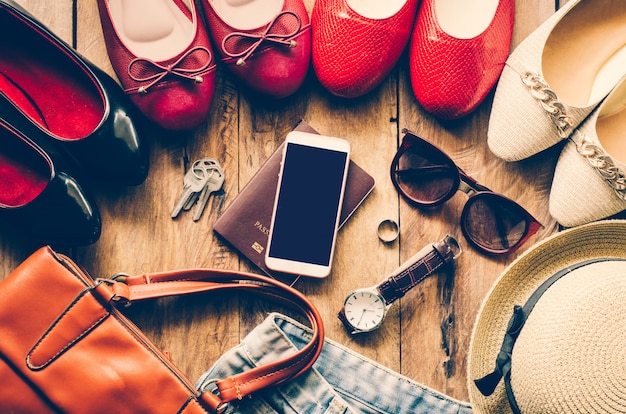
(427, 177)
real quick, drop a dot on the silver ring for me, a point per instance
(388, 231)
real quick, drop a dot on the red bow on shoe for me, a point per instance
(177, 68)
(259, 38)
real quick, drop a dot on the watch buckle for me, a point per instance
(454, 245)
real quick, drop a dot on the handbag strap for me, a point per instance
(173, 283)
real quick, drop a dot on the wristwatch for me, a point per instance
(364, 309)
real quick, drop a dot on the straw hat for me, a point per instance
(569, 355)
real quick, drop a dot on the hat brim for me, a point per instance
(515, 285)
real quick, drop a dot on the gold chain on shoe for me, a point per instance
(603, 164)
(540, 90)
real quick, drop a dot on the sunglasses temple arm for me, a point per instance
(430, 169)
(533, 227)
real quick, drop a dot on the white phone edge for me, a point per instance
(292, 266)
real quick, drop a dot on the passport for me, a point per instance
(245, 223)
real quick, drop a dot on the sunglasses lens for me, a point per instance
(424, 175)
(493, 223)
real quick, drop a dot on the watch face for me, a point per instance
(364, 310)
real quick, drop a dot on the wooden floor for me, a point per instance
(426, 336)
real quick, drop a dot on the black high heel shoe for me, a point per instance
(37, 199)
(80, 108)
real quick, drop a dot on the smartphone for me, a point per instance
(307, 206)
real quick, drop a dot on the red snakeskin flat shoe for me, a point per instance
(266, 44)
(161, 53)
(355, 48)
(457, 53)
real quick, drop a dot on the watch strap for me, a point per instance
(344, 320)
(418, 269)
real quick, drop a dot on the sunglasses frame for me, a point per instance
(466, 184)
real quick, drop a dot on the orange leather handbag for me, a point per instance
(65, 347)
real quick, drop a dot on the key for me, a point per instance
(192, 200)
(208, 164)
(214, 183)
(194, 181)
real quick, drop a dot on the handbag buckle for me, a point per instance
(120, 277)
(117, 283)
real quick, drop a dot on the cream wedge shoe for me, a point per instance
(557, 76)
(590, 177)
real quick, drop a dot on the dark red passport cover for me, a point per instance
(245, 223)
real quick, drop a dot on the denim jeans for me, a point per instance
(341, 380)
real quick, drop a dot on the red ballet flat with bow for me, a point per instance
(163, 59)
(271, 58)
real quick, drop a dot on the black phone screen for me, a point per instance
(309, 202)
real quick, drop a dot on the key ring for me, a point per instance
(202, 166)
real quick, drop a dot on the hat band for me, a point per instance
(487, 384)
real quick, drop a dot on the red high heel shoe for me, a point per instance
(37, 199)
(161, 53)
(47, 85)
(266, 44)
(353, 52)
(457, 55)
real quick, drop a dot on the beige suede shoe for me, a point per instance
(590, 177)
(557, 76)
